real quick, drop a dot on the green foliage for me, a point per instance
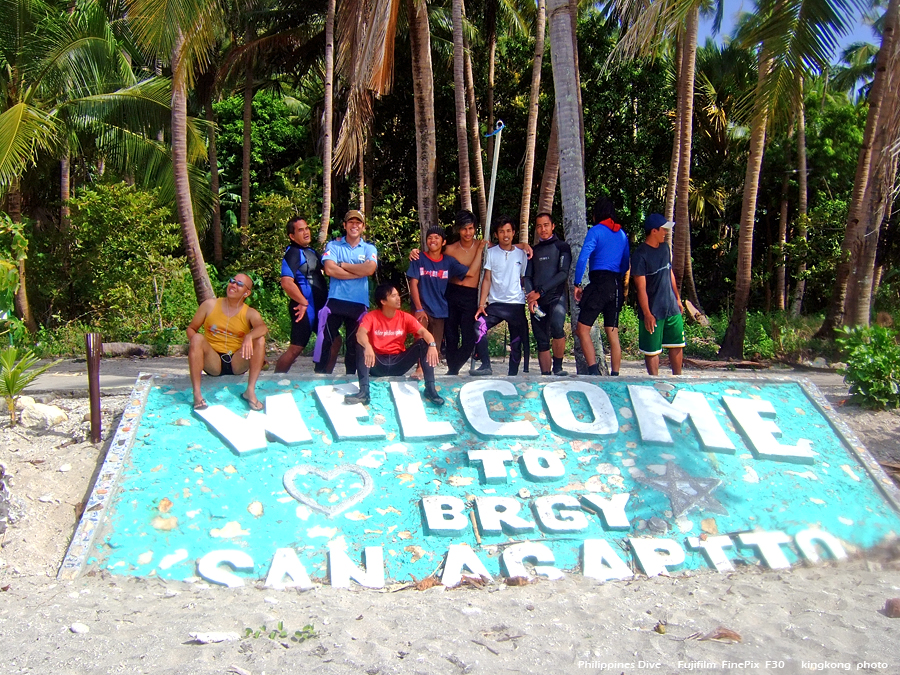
(123, 269)
(16, 373)
(394, 229)
(628, 332)
(308, 632)
(873, 365)
(13, 250)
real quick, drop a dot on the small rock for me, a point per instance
(65, 467)
(819, 362)
(23, 402)
(657, 525)
(892, 608)
(79, 628)
(86, 417)
(43, 416)
(181, 422)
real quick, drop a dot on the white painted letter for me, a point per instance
(558, 405)
(613, 509)
(413, 421)
(208, 567)
(543, 557)
(474, 406)
(652, 410)
(598, 551)
(492, 463)
(570, 519)
(769, 546)
(344, 418)
(650, 560)
(748, 413)
(805, 538)
(493, 512)
(460, 556)
(444, 515)
(284, 421)
(712, 550)
(285, 563)
(341, 569)
(533, 465)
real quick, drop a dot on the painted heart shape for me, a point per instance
(306, 500)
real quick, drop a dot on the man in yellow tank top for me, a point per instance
(233, 340)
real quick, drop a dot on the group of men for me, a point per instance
(458, 293)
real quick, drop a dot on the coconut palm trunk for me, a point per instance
(459, 97)
(551, 169)
(571, 161)
(22, 306)
(675, 161)
(854, 231)
(802, 208)
(202, 286)
(682, 232)
(475, 138)
(531, 127)
(246, 152)
(327, 123)
(733, 342)
(216, 223)
(423, 98)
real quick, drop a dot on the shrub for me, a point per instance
(873, 365)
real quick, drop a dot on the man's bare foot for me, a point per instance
(254, 403)
(200, 404)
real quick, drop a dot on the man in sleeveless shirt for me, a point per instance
(233, 340)
(304, 283)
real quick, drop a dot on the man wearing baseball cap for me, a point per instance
(349, 262)
(659, 303)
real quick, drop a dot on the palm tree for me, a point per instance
(183, 33)
(327, 123)
(531, 130)
(423, 98)
(459, 96)
(794, 37)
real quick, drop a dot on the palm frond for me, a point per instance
(24, 130)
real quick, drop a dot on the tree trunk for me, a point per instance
(779, 291)
(491, 19)
(802, 208)
(423, 98)
(245, 156)
(855, 228)
(733, 342)
(22, 306)
(681, 234)
(551, 169)
(202, 287)
(65, 191)
(573, 21)
(459, 97)
(216, 225)
(571, 162)
(475, 138)
(361, 180)
(675, 161)
(328, 124)
(531, 128)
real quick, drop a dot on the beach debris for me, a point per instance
(520, 581)
(165, 505)
(424, 584)
(660, 627)
(65, 468)
(214, 636)
(79, 628)
(656, 524)
(417, 552)
(237, 670)
(490, 649)
(709, 526)
(46, 499)
(892, 608)
(722, 634)
(181, 422)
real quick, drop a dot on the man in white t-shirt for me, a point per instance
(502, 298)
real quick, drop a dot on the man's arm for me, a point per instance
(590, 242)
(199, 317)
(360, 270)
(258, 329)
(640, 283)
(675, 289)
(421, 316)
(339, 270)
(485, 291)
(362, 339)
(432, 356)
(290, 287)
(525, 248)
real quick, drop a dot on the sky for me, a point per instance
(733, 8)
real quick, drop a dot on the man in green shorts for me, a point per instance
(659, 304)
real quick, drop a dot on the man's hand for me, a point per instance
(650, 323)
(480, 312)
(422, 317)
(432, 357)
(247, 347)
(579, 291)
(526, 249)
(370, 357)
(531, 305)
(300, 311)
(532, 297)
(414, 254)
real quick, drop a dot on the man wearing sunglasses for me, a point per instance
(233, 340)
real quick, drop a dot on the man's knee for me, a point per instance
(198, 342)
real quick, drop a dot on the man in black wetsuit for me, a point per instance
(545, 289)
(304, 283)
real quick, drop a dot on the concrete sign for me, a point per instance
(607, 478)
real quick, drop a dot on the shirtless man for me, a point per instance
(462, 294)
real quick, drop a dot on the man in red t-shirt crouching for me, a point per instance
(381, 336)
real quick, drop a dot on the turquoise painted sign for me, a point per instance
(605, 478)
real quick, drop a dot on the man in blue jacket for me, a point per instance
(606, 248)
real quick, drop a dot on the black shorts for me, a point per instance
(301, 330)
(604, 295)
(226, 364)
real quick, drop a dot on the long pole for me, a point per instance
(94, 346)
(498, 132)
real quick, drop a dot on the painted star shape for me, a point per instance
(686, 492)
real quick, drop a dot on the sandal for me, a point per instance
(202, 405)
(254, 405)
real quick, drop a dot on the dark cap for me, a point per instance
(655, 221)
(436, 229)
(353, 213)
